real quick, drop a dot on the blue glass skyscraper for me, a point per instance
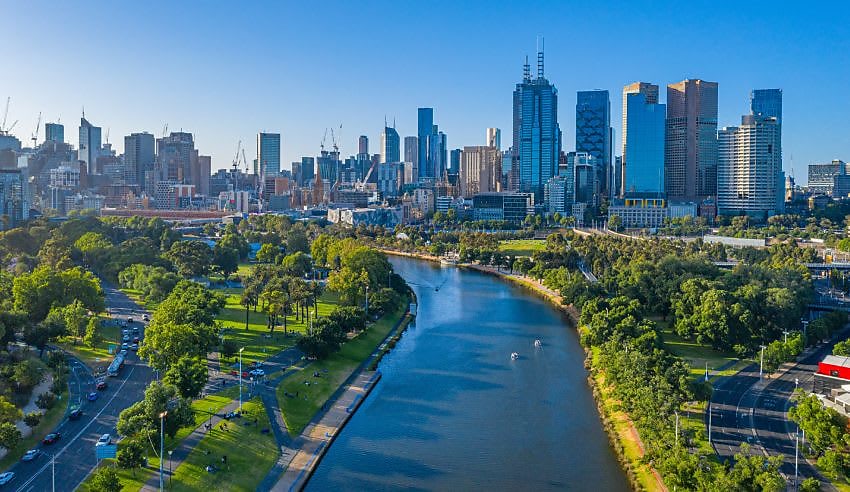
(424, 128)
(594, 134)
(767, 103)
(643, 149)
(536, 135)
(268, 153)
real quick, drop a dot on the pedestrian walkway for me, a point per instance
(301, 457)
(179, 455)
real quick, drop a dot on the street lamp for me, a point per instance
(169, 467)
(761, 362)
(161, 444)
(240, 379)
(210, 422)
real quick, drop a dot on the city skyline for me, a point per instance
(300, 108)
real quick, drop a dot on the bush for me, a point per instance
(810, 484)
(32, 419)
(45, 401)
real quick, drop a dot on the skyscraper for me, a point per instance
(89, 145)
(690, 150)
(749, 175)
(494, 138)
(54, 132)
(425, 125)
(454, 161)
(390, 145)
(593, 132)
(268, 153)
(411, 150)
(363, 144)
(138, 157)
(536, 134)
(480, 170)
(767, 103)
(642, 168)
(174, 157)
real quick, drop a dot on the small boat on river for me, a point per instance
(514, 355)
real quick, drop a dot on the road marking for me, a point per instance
(59, 453)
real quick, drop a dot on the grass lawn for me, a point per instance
(522, 247)
(297, 412)
(49, 421)
(697, 355)
(97, 356)
(257, 345)
(692, 423)
(250, 455)
(131, 480)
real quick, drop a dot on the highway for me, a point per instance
(74, 452)
(744, 411)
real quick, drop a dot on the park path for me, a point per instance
(187, 445)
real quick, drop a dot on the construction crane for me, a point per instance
(35, 133)
(245, 159)
(321, 147)
(333, 140)
(165, 130)
(4, 130)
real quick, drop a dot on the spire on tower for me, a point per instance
(541, 43)
(526, 70)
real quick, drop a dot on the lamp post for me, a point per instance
(169, 467)
(53, 472)
(161, 444)
(240, 379)
(677, 428)
(761, 362)
(210, 422)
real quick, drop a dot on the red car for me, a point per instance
(51, 438)
(101, 385)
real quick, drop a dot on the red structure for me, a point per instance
(835, 366)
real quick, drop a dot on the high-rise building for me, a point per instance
(454, 161)
(411, 151)
(749, 175)
(138, 157)
(690, 150)
(390, 145)
(480, 170)
(586, 185)
(54, 132)
(14, 206)
(593, 132)
(536, 134)
(425, 125)
(268, 153)
(202, 174)
(328, 167)
(89, 145)
(363, 144)
(308, 170)
(822, 176)
(643, 139)
(494, 138)
(174, 157)
(767, 103)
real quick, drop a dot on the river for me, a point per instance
(454, 412)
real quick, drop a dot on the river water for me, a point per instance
(454, 412)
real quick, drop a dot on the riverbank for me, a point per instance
(622, 434)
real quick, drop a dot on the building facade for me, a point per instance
(480, 170)
(139, 157)
(89, 146)
(54, 132)
(268, 153)
(822, 176)
(494, 138)
(594, 134)
(644, 123)
(690, 150)
(390, 145)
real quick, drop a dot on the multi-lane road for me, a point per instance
(74, 452)
(745, 410)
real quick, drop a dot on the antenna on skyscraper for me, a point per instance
(526, 70)
(540, 47)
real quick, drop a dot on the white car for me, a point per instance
(257, 373)
(30, 455)
(6, 477)
(104, 440)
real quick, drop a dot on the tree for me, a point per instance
(37, 292)
(296, 241)
(188, 375)
(32, 419)
(810, 484)
(832, 464)
(267, 253)
(235, 242)
(191, 258)
(45, 400)
(349, 318)
(615, 222)
(228, 348)
(27, 375)
(106, 479)
(131, 455)
(92, 337)
(348, 284)
(10, 436)
(8, 411)
(319, 249)
(297, 264)
(226, 259)
(142, 418)
(841, 348)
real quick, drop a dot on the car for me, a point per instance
(136, 330)
(75, 414)
(129, 320)
(136, 339)
(125, 345)
(145, 317)
(51, 438)
(101, 385)
(257, 373)
(30, 455)
(125, 338)
(104, 440)
(134, 347)
(6, 477)
(123, 352)
(92, 396)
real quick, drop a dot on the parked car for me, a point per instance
(134, 347)
(6, 477)
(104, 440)
(75, 414)
(101, 385)
(30, 455)
(51, 438)
(92, 396)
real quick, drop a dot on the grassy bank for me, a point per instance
(522, 247)
(49, 421)
(334, 370)
(97, 356)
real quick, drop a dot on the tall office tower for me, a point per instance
(328, 167)
(438, 154)
(594, 134)
(494, 138)
(411, 150)
(308, 170)
(536, 134)
(390, 145)
(767, 103)
(54, 132)
(174, 157)
(480, 170)
(583, 167)
(139, 157)
(690, 149)
(644, 122)
(425, 125)
(89, 147)
(363, 144)
(749, 172)
(268, 153)
(202, 174)
(454, 161)
(617, 181)
(14, 202)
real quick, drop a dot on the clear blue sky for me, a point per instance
(225, 70)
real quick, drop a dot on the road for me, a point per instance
(744, 411)
(74, 452)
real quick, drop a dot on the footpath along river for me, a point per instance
(454, 412)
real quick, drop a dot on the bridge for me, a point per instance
(813, 267)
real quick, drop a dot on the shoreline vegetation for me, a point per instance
(622, 433)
